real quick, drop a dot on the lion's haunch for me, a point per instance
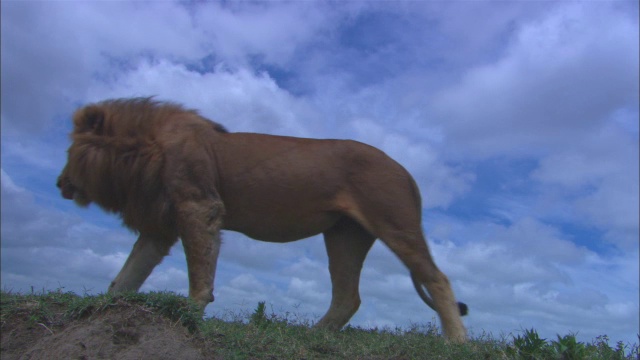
(172, 174)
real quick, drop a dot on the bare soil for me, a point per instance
(122, 331)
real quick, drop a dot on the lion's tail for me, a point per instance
(462, 307)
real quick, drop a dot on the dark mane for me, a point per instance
(133, 111)
(116, 159)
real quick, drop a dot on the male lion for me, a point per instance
(170, 173)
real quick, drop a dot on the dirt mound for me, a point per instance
(122, 331)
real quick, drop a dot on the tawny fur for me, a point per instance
(170, 173)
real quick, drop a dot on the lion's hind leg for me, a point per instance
(412, 249)
(147, 252)
(347, 246)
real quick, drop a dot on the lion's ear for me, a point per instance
(89, 119)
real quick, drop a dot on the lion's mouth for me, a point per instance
(67, 193)
(66, 189)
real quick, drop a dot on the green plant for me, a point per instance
(601, 347)
(259, 317)
(528, 347)
(567, 348)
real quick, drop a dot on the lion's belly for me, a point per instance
(278, 226)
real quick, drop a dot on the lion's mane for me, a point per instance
(116, 162)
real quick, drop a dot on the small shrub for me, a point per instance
(567, 348)
(528, 347)
(259, 316)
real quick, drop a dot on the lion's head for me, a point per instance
(77, 181)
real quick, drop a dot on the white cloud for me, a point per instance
(600, 173)
(306, 269)
(51, 267)
(8, 185)
(48, 245)
(558, 80)
(243, 292)
(559, 94)
(167, 278)
(24, 223)
(35, 152)
(305, 290)
(244, 252)
(27, 224)
(275, 32)
(240, 100)
(56, 51)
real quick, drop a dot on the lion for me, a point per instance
(171, 174)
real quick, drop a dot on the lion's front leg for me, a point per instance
(147, 252)
(199, 226)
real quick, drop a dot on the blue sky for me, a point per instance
(519, 121)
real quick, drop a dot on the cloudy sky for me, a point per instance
(519, 121)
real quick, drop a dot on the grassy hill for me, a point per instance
(59, 325)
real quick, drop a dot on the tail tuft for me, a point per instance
(464, 309)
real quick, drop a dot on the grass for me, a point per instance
(261, 335)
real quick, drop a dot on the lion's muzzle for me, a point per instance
(66, 188)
